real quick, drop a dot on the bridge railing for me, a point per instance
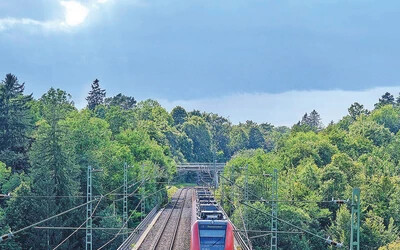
(138, 231)
(200, 166)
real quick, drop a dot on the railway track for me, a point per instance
(164, 235)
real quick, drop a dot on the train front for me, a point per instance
(210, 229)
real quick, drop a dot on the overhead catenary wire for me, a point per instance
(286, 201)
(242, 218)
(109, 193)
(130, 216)
(51, 217)
(76, 230)
(284, 221)
(56, 215)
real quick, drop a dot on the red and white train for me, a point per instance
(210, 229)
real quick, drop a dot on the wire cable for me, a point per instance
(76, 230)
(284, 221)
(130, 216)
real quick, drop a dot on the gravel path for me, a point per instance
(183, 234)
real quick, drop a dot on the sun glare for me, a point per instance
(75, 13)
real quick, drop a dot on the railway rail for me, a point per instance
(166, 236)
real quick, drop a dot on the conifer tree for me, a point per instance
(15, 123)
(311, 121)
(54, 169)
(386, 99)
(96, 95)
(315, 120)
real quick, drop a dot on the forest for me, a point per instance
(47, 145)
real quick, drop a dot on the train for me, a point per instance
(210, 229)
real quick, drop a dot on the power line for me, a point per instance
(338, 201)
(329, 241)
(79, 228)
(130, 216)
(94, 210)
(47, 219)
(11, 234)
(297, 227)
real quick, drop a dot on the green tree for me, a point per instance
(179, 115)
(238, 139)
(386, 99)
(15, 123)
(96, 95)
(388, 116)
(256, 139)
(219, 128)
(356, 110)
(123, 101)
(312, 121)
(197, 130)
(370, 130)
(54, 169)
(340, 228)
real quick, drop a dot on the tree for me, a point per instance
(179, 115)
(388, 116)
(387, 99)
(197, 130)
(398, 100)
(15, 123)
(123, 101)
(356, 110)
(315, 120)
(311, 121)
(96, 95)
(219, 128)
(256, 139)
(54, 169)
(369, 129)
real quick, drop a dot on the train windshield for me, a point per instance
(212, 236)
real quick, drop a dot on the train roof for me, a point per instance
(206, 207)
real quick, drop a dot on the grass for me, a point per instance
(171, 190)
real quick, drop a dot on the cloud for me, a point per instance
(284, 108)
(75, 13)
(9, 22)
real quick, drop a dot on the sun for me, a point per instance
(75, 13)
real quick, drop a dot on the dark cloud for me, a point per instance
(192, 49)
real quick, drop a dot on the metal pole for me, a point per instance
(232, 190)
(222, 192)
(215, 174)
(125, 202)
(274, 211)
(89, 208)
(143, 201)
(355, 220)
(246, 196)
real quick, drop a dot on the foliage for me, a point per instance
(179, 115)
(122, 101)
(46, 146)
(15, 123)
(96, 95)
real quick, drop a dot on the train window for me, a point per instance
(212, 233)
(212, 239)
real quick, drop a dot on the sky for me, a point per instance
(260, 60)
